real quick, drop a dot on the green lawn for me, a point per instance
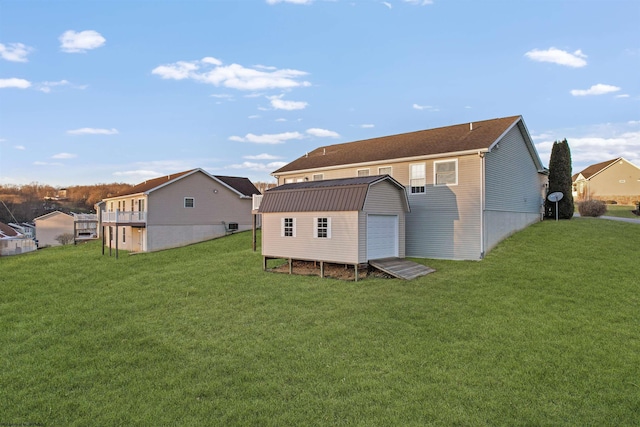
(621, 211)
(544, 331)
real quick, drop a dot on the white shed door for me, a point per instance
(382, 236)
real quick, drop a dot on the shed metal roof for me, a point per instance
(331, 195)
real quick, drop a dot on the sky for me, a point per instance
(122, 91)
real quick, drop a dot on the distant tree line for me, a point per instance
(23, 203)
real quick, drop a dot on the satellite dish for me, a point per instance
(555, 197)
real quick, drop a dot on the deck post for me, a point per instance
(255, 225)
(322, 269)
(356, 267)
(264, 263)
(290, 266)
(103, 240)
(116, 241)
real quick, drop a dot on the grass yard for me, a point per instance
(544, 331)
(621, 211)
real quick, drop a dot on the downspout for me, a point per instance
(482, 202)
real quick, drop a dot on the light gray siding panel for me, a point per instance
(445, 221)
(342, 247)
(513, 190)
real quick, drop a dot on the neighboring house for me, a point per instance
(614, 180)
(51, 226)
(469, 185)
(13, 243)
(176, 210)
(346, 221)
(25, 228)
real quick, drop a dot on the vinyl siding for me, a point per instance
(383, 199)
(607, 184)
(445, 220)
(342, 247)
(52, 226)
(513, 191)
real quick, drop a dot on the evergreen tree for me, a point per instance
(560, 180)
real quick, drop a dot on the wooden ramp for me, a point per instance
(401, 268)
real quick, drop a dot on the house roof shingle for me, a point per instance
(345, 194)
(589, 171)
(241, 185)
(450, 139)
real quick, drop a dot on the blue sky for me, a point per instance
(121, 91)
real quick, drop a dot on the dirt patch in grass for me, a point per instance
(333, 271)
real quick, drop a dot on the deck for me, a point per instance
(401, 268)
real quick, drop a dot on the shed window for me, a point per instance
(288, 227)
(323, 228)
(417, 178)
(445, 172)
(189, 202)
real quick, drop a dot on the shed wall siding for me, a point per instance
(383, 199)
(342, 247)
(513, 189)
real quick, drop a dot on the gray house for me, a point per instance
(176, 210)
(346, 221)
(469, 185)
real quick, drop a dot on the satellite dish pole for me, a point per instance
(555, 197)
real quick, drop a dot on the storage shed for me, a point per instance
(345, 221)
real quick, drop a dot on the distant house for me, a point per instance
(615, 180)
(469, 185)
(51, 226)
(177, 210)
(13, 242)
(346, 221)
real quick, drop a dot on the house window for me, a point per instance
(363, 172)
(323, 228)
(445, 172)
(124, 235)
(288, 227)
(141, 205)
(417, 178)
(111, 208)
(189, 202)
(384, 171)
(132, 202)
(318, 177)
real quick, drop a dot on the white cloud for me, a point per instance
(598, 89)
(279, 138)
(46, 86)
(280, 104)
(15, 83)
(290, 1)
(38, 163)
(263, 156)
(322, 133)
(261, 167)
(93, 131)
(232, 76)
(64, 156)
(387, 4)
(15, 52)
(623, 95)
(254, 116)
(20, 147)
(424, 107)
(595, 144)
(557, 56)
(74, 42)
(367, 126)
(281, 120)
(419, 2)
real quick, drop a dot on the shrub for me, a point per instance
(592, 208)
(65, 239)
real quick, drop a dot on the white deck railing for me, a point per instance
(257, 199)
(124, 217)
